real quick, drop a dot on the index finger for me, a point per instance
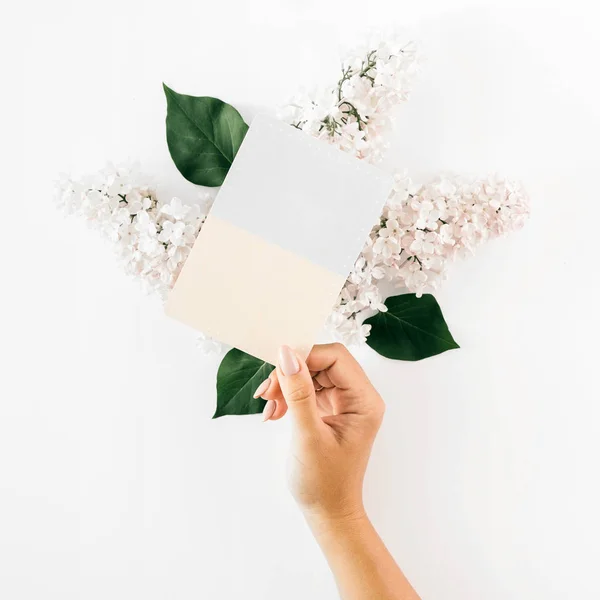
(342, 368)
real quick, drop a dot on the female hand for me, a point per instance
(336, 413)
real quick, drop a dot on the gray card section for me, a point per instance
(302, 194)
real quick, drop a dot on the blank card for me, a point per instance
(283, 234)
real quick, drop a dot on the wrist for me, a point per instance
(339, 518)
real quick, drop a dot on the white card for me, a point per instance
(285, 230)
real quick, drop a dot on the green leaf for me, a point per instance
(237, 379)
(204, 135)
(411, 329)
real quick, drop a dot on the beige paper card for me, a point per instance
(284, 232)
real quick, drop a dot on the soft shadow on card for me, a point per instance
(287, 225)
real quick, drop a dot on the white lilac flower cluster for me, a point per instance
(354, 114)
(151, 238)
(422, 229)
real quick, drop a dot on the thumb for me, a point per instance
(298, 390)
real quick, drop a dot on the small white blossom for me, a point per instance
(208, 345)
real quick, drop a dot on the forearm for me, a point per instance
(362, 565)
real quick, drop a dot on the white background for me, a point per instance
(114, 481)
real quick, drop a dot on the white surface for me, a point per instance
(115, 483)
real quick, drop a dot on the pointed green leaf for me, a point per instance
(204, 135)
(411, 329)
(237, 379)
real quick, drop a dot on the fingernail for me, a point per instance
(269, 409)
(288, 361)
(262, 388)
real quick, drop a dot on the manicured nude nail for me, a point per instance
(269, 409)
(262, 388)
(288, 363)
